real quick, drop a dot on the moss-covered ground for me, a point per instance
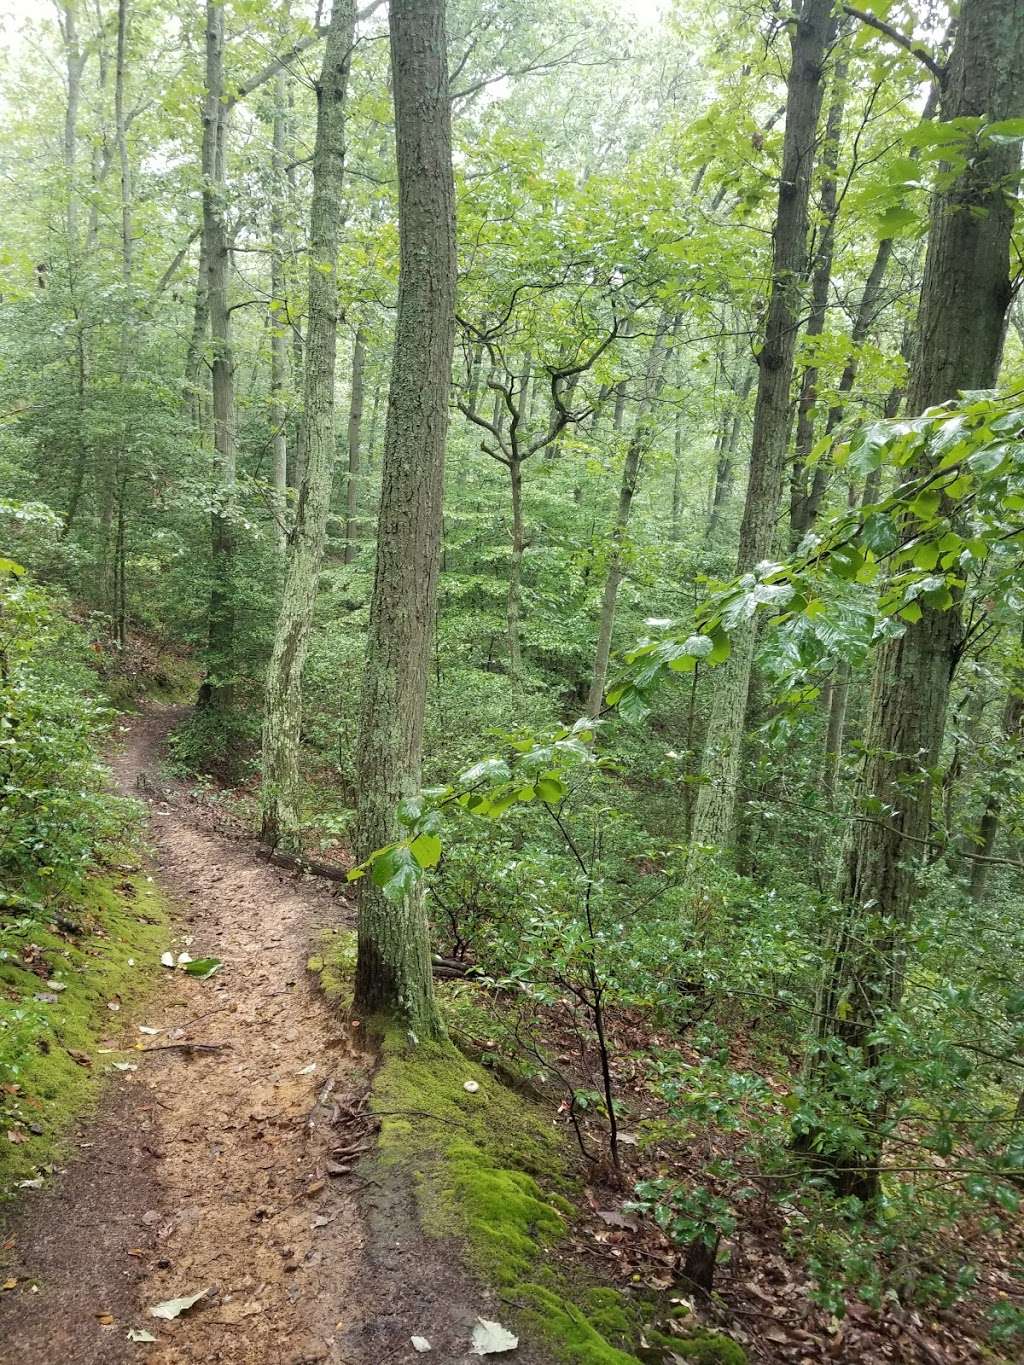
(490, 1169)
(56, 988)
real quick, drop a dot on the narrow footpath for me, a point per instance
(207, 1170)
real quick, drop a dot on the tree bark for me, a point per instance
(715, 811)
(393, 972)
(640, 442)
(278, 315)
(805, 497)
(217, 692)
(964, 298)
(1013, 735)
(282, 717)
(355, 436)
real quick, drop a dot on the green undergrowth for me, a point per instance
(489, 1168)
(166, 677)
(56, 988)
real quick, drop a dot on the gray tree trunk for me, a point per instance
(715, 811)
(282, 716)
(393, 973)
(355, 436)
(278, 314)
(640, 442)
(964, 299)
(217, 692)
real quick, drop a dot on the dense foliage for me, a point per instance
(618, 207)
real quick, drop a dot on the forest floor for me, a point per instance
(212, 1171)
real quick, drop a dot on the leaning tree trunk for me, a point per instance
(964, 299)
(393, 973)
(282, 717)
(716, 800)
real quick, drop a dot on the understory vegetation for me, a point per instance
(579, 470)
(81, 928)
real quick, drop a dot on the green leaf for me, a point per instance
(10, 566)
(896, 222)
(396, 872)
(551, 789)
(722, 646)
(203, 967)
(426, 849)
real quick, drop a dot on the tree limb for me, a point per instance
(909, 44)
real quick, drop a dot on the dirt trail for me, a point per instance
(207, 1171)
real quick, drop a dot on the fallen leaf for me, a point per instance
(144, 1028)
(619, 1220)
(113, 1005)
(16, 1135)
(9, 1284)
(124, 1066)
(172, 1308)
(167, 959)
(420, 1344)
(140, 1334)
(55, 985)
(202, 968)
(105, 1319)
(490, 1338)
(306, 1070)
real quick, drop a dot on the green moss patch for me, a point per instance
(55, 995)
(489, 1168)
(334, 961)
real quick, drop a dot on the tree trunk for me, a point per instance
(675, 530)
(726, 452)
(513, 610)
(716, 800)
(217, 692)
(355, 434)
(639, 444)
(1013, 733)
(278, 315)
(393, 973)
(805, 498)
(964, 298)
(282, 718)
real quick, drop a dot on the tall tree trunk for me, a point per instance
(675, 529)
(725, 461)
(964, 299)
(279, 314)
(217, 691)
(805, 498)
(393, 973)
(1013, 735)
(74, 61)
(716, 800)
(282, 717)
(640, 442)
(513, 599)
(355, 436)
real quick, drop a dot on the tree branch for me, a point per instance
(909, 44)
